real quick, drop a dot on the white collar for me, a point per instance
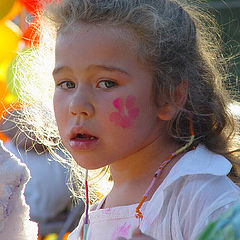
(198, 161)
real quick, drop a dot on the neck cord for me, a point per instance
(139, 214)
(86, 207)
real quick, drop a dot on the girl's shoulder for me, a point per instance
(195, 163)
(198, 182)
(206, 188)
(200, 177)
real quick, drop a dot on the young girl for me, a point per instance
(138, 88)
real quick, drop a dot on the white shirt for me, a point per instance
(195, 191)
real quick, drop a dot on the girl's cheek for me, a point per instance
(126, 111)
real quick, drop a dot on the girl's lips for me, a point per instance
(79, 130)
(81, 139)
(83, 144)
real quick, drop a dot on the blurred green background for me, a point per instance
(227, 14)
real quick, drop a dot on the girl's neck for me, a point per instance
(142, 163)
(132, 175)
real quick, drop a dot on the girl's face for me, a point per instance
(103, 97)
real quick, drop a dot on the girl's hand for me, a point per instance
(137, 235)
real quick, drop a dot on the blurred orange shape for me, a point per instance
(3, 106)
(3, 137)
(15, 10)
(5, 7)
(31, 35)
(65, 237)
(10, 35)
(34, 6)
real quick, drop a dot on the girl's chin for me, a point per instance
(88, 165)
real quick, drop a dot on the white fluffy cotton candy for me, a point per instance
(14, 212)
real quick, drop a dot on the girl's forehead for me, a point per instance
(87, 45)
(118, 32)
(101, 38)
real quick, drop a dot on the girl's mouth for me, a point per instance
(83, 142)
(85, 137)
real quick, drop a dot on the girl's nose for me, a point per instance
(81, 106)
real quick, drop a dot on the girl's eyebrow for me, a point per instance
(91, 68)
(61, 69)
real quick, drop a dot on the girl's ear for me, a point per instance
(169, 109)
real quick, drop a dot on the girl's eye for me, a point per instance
(67, 85)
(106, 84)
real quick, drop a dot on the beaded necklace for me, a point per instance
(139, 214)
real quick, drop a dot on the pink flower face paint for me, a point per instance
(127, 112)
